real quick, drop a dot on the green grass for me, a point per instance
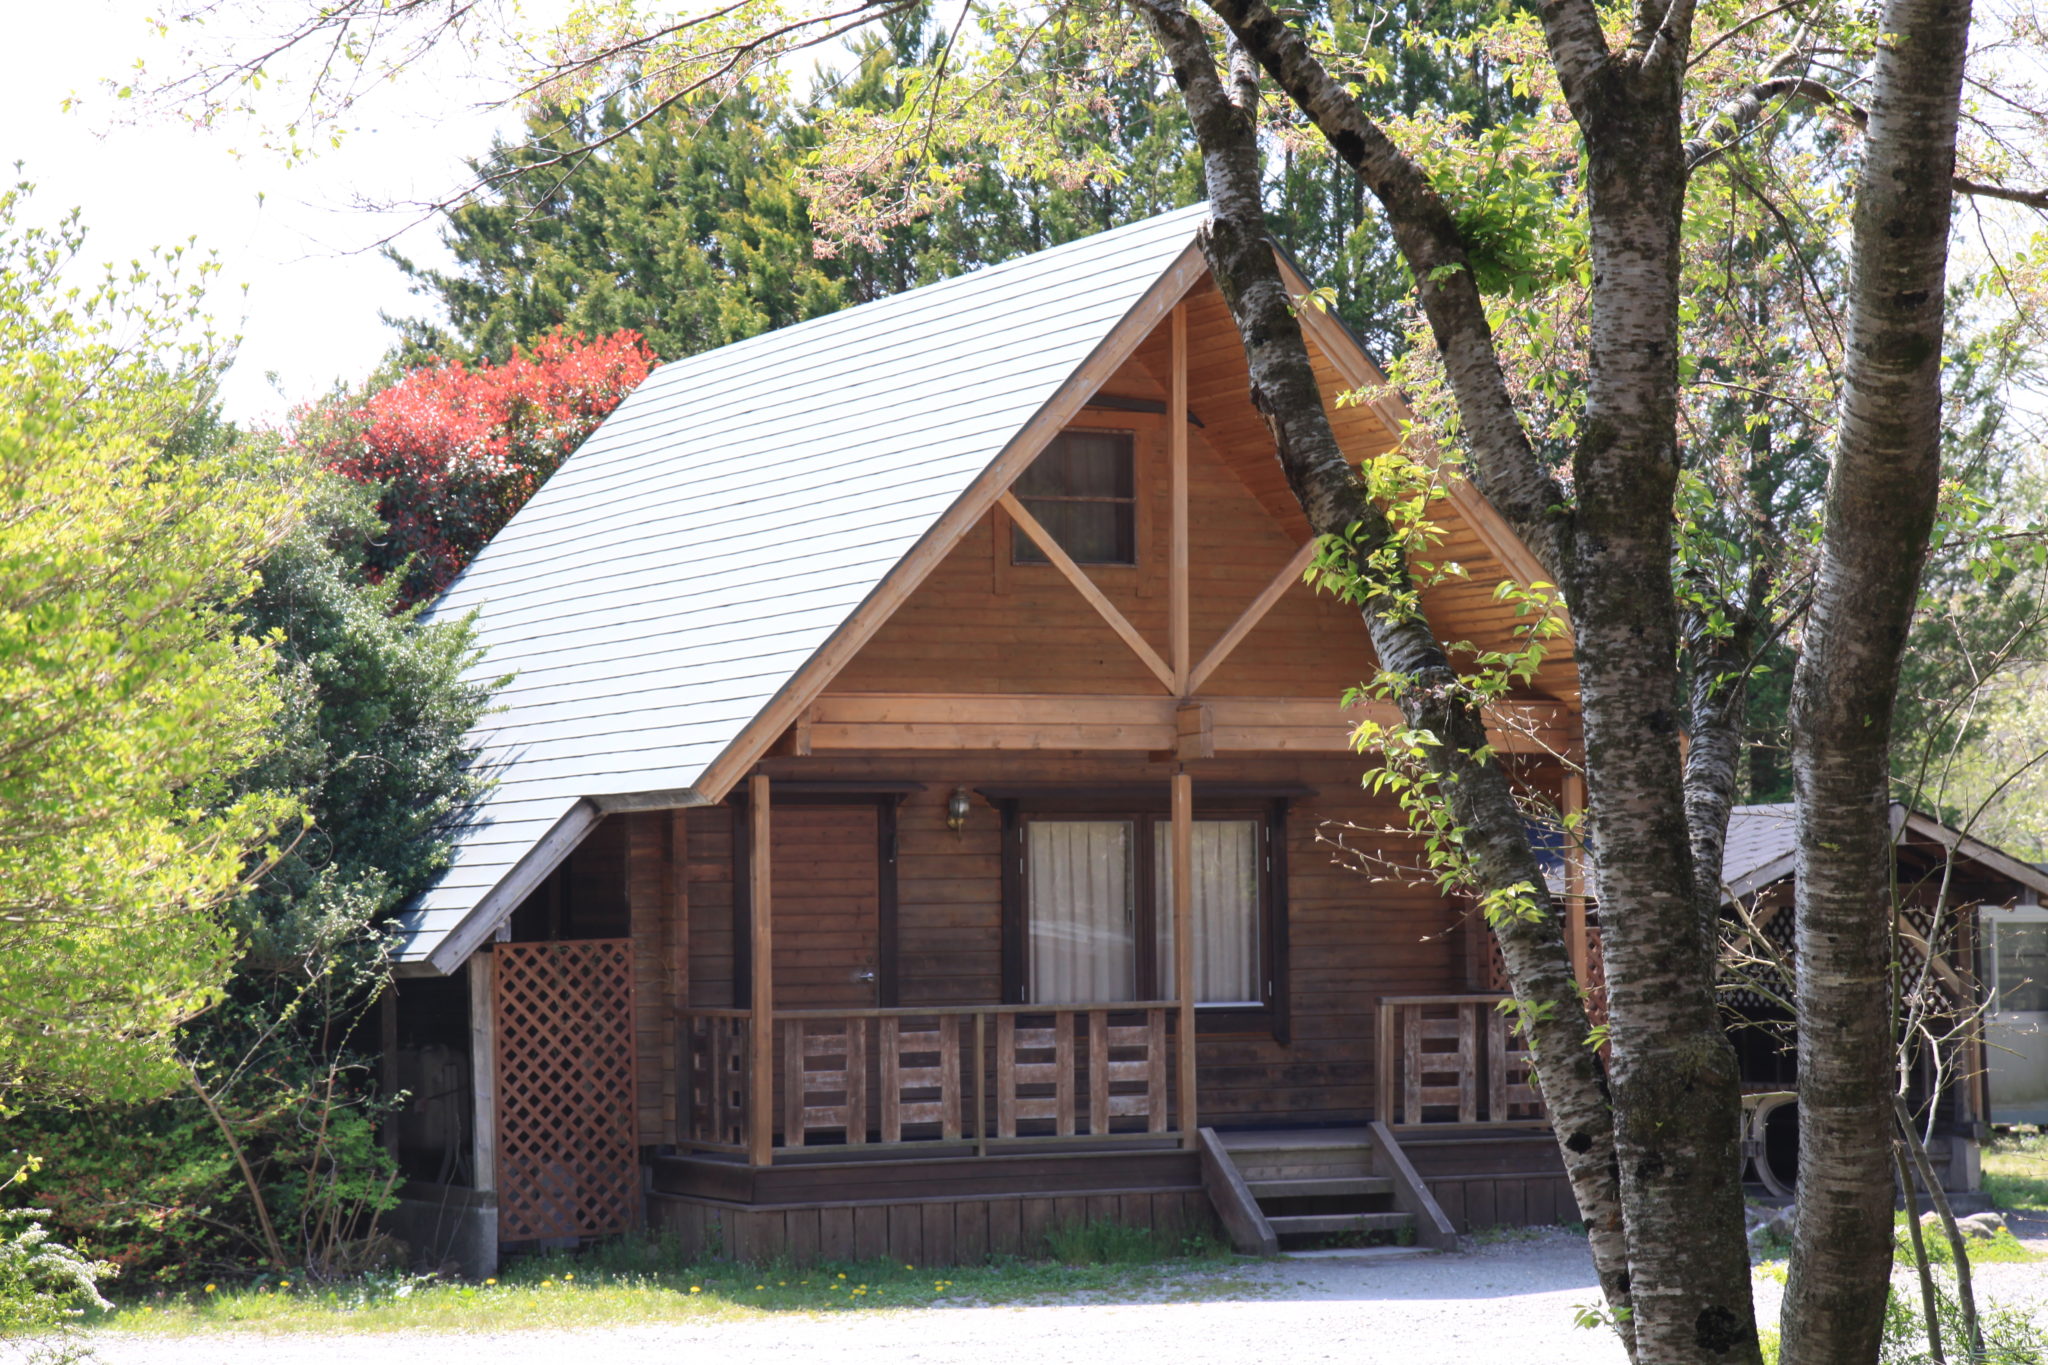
(642, 1281)
(2016, 1170)
(1983, 1250)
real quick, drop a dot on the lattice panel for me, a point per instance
(1596, 978)
(568, 1160)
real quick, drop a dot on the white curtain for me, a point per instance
(1225, 862)
(1081, 911)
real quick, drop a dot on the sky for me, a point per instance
(298, 239)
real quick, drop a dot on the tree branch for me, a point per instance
(1504, 465)
(2033, 199)
(1734, 119)
(1578, 49)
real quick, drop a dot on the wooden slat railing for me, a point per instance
(1440, 1056)
(992, 1075)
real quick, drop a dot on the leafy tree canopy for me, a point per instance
(131, 692)
(456, 449)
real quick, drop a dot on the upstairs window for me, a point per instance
(1083, 488)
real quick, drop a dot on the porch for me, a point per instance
(619, 1087)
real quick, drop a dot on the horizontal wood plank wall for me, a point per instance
(957, 633)
(1352, 940)
(708, 873)
(651, 893)
(938, 1232)
(826, 902)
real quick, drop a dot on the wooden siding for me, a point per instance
(1485, 1181)
(936, 1232)
(827, 900)
(1351, 939)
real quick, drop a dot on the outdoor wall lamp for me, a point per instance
(957, 806)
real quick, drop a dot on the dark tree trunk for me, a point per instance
(1880, 508)
(1675, 1106)
(1286, 392)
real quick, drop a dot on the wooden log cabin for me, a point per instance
(911, 811)
(1973, 951)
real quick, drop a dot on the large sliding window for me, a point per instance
(1081, 879)
(1225, 867)
(1093, 895)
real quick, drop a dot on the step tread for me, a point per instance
(1308, 1187)
(1340, 1222)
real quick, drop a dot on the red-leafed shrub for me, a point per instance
(457, 449)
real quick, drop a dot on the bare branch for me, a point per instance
(2033, 199)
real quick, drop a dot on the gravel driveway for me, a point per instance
(1508, 1301)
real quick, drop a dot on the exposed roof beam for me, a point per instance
(1290, 573)
(1085, 585)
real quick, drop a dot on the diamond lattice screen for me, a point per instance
(568, 1162)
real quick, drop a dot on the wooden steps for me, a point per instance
(1319, 1188)
(1315, 1224)
(1305, 1189)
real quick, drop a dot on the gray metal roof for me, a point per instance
(1763, 847)
(679, 569)
(1762, 843)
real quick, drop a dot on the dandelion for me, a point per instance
(489, 1282)
(567, 1278)
(210, 1288)
(760, 1286)
(696, 1289)
(842, 1274)
(782, 1284)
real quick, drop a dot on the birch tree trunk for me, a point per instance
(1881, 497)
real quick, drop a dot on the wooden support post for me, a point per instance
(387, 1062)
(1084, 585)
(1184, 949)
(761, 1051)
(483, 1062)
(1574, 806)
(1177, 448)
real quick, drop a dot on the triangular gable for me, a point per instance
(693, 575)
(1763, 848)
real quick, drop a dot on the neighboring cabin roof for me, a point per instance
(1763, 848)
(678, 571)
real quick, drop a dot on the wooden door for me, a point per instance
(827, 905)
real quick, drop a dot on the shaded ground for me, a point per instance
(1509, 1300)
(1504, 1301)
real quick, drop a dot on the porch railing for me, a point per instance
(1453, 1059)
(998, 1077)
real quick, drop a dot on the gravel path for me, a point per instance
(1508, 1301)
